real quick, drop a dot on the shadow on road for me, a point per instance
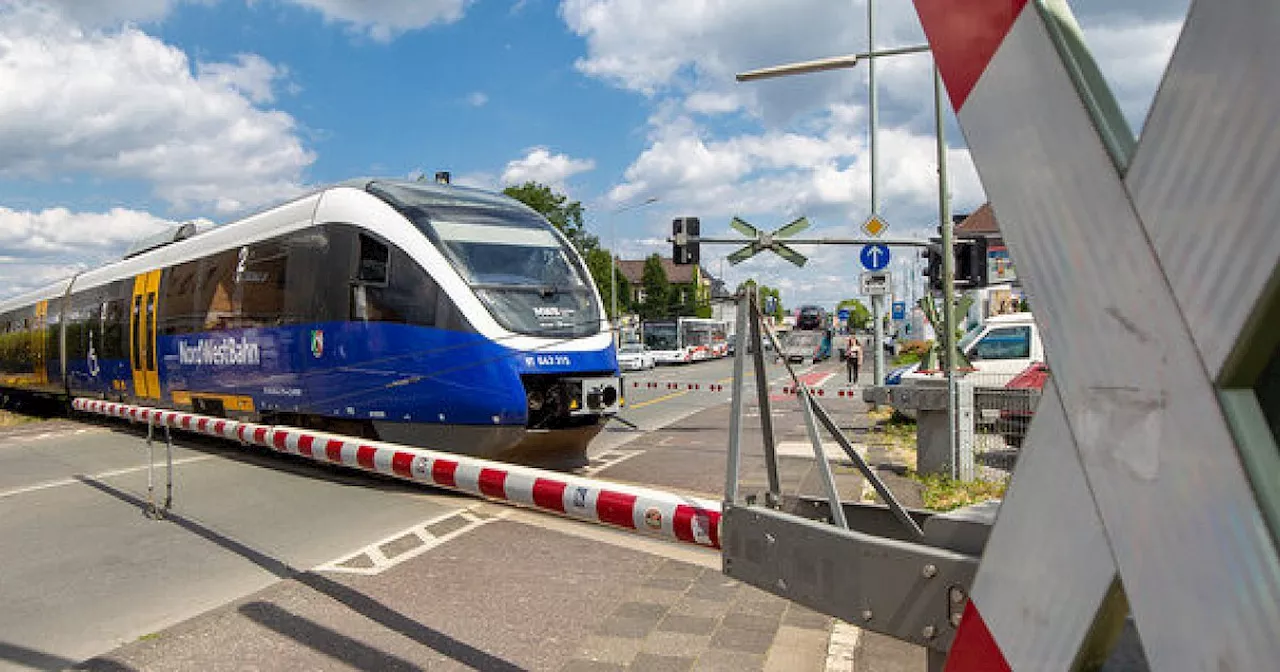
(33, 658)
(353, 599)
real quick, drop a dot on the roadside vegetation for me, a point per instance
(942, 493)
(897, 434)
(910, 352)
(16, 411)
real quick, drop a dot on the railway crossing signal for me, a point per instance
(768, 241)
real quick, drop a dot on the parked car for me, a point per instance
(635, 357)
(998, 350)
(1016, 418)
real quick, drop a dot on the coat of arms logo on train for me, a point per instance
(317, 343)
(435, 297)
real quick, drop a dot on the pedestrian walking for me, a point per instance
(853, 358)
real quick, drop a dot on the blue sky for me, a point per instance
(121, 116)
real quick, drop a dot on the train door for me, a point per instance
(142, 335)
(39, 343)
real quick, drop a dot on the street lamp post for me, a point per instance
(613, 261)
(944, 197)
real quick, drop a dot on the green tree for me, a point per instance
(657, 290)
(598, 261)
(859, 315)
(767, 291)
(564, 214)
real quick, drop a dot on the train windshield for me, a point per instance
(527, 276)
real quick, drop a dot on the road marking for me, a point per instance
(655, 400)
(20, 437)
(603, 462)
(106, 474)
(804, 449)
(409, 543)
(843, 646)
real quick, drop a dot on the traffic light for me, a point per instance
(933, 270)
(683, 251)
(971, 262)
(970, 265)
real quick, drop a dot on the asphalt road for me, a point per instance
(84, 570)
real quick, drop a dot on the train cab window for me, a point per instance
(374, 259)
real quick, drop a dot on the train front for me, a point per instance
(529, 296)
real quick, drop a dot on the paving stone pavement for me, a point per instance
(684, 617)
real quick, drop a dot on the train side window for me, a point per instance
(217, 304)
(261, 274)
(178, 314)
(114, 323)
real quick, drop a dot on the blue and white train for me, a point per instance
(411, 312)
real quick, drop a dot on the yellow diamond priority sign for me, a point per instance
(874, 226)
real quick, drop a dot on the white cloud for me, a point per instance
(540, 165)
(776, 149)
(58, 230)
(251, 75)
(1132, 57)
(112, 13)
(385, 19)
(477, 99)
(37, 248)
(124, 105)
(382, 20)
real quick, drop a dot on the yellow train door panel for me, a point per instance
(142, 335)
(39, 343)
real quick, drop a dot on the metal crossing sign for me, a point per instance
(1145, 444)
(768, 241)
(1147, 485)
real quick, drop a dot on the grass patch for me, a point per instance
(11, 419)
(896, 434)
(942, 493)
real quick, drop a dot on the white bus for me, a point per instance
(686, 339)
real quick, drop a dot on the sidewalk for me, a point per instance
(508, 595)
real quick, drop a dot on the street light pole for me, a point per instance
(948, 271)
(613, 263)
(877, 308)
(944, 197)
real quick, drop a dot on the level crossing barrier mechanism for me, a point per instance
(651, 512)
(1146, 493)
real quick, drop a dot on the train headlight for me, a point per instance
(609, 395)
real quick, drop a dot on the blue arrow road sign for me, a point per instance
(899, 310)
(874, 257)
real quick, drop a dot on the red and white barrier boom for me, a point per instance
(651, 512)
(1148, 489)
